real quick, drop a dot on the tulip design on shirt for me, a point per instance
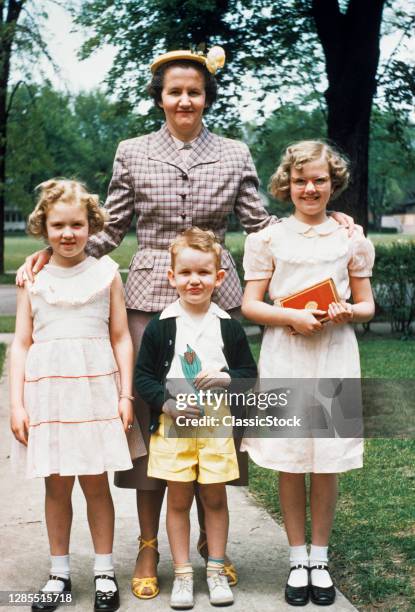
(191, 366)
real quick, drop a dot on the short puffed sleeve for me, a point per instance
(362, 255)
(258, 261)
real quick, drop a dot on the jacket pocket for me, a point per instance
(142, 260)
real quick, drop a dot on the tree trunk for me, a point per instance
(351, 47)
(7, 33)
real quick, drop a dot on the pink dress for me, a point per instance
(294, 256)
(71, 392)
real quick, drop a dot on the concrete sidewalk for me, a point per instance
(257, 545)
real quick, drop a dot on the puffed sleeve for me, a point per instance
(362, 256)
(258, 261)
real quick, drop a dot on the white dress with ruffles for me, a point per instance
(294, 256)
(70, 391)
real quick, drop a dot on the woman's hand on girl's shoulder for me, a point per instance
(32, 265)
(305, 323)
(126, 412)
(340, 312)
(19, 423)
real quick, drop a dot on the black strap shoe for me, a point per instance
(109, 601)
(297, 596)
(322, 596)
(49, 606)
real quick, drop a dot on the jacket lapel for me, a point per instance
(204, 151)
(162, 148)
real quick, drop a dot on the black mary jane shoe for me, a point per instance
(297, 596)
(107, 602)
(49, 606)
(322, 596)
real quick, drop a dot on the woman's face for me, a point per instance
(183, 99)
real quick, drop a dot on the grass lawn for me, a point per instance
(7, 324)
(373, 541)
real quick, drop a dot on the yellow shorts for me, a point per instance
(208, 460)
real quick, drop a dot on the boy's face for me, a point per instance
(195, 276)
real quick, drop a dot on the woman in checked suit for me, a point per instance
(180, 176)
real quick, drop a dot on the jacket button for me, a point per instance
(183, 216)
(184, 177)
(166, 363)
(170, 342)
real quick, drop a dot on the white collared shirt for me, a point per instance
(202, 335)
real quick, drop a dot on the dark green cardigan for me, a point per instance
(157, 352)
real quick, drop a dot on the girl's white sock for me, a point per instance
(319, 577)
(59, 566)
(298, 556)
(104, 565)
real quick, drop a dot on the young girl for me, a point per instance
(283, 259)
(71, 381)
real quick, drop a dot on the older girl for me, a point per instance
(71, 381)
(283, 259)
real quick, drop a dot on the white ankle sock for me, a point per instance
(298, 556)
(319, 577)
(59, 566)
(104, 565)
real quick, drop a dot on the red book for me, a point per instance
(316, 297)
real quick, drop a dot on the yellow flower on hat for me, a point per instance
(215, 59)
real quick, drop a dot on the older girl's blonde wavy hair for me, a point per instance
(68, 191)
(301, 153)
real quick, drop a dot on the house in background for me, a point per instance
(14, 221)
(402, 218)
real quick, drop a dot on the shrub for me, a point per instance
(394, 283)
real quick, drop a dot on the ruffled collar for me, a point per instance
(327, 227)
(76, 285)
(62, 272)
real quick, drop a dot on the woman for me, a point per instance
(180, 176)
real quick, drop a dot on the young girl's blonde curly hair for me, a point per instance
(68, 191)
(301, 153)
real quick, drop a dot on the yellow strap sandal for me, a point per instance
(140, 585)
(229, 569)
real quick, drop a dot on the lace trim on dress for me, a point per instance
(75, 289)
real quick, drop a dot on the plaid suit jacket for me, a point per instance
(167, 196)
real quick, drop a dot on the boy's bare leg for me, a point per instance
(213, 498)
(179, 501)
(201, 516)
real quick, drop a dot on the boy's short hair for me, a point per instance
(301, 153)
(196, 238)
(68, 191)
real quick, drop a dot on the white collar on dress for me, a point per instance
(176, 310)
(327, 227)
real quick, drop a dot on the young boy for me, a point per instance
(193, 339)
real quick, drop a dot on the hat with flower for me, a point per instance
(213, 60)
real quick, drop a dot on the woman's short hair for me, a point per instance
(68, 191)
(155, 87)
(196, 238)
(301, 153)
